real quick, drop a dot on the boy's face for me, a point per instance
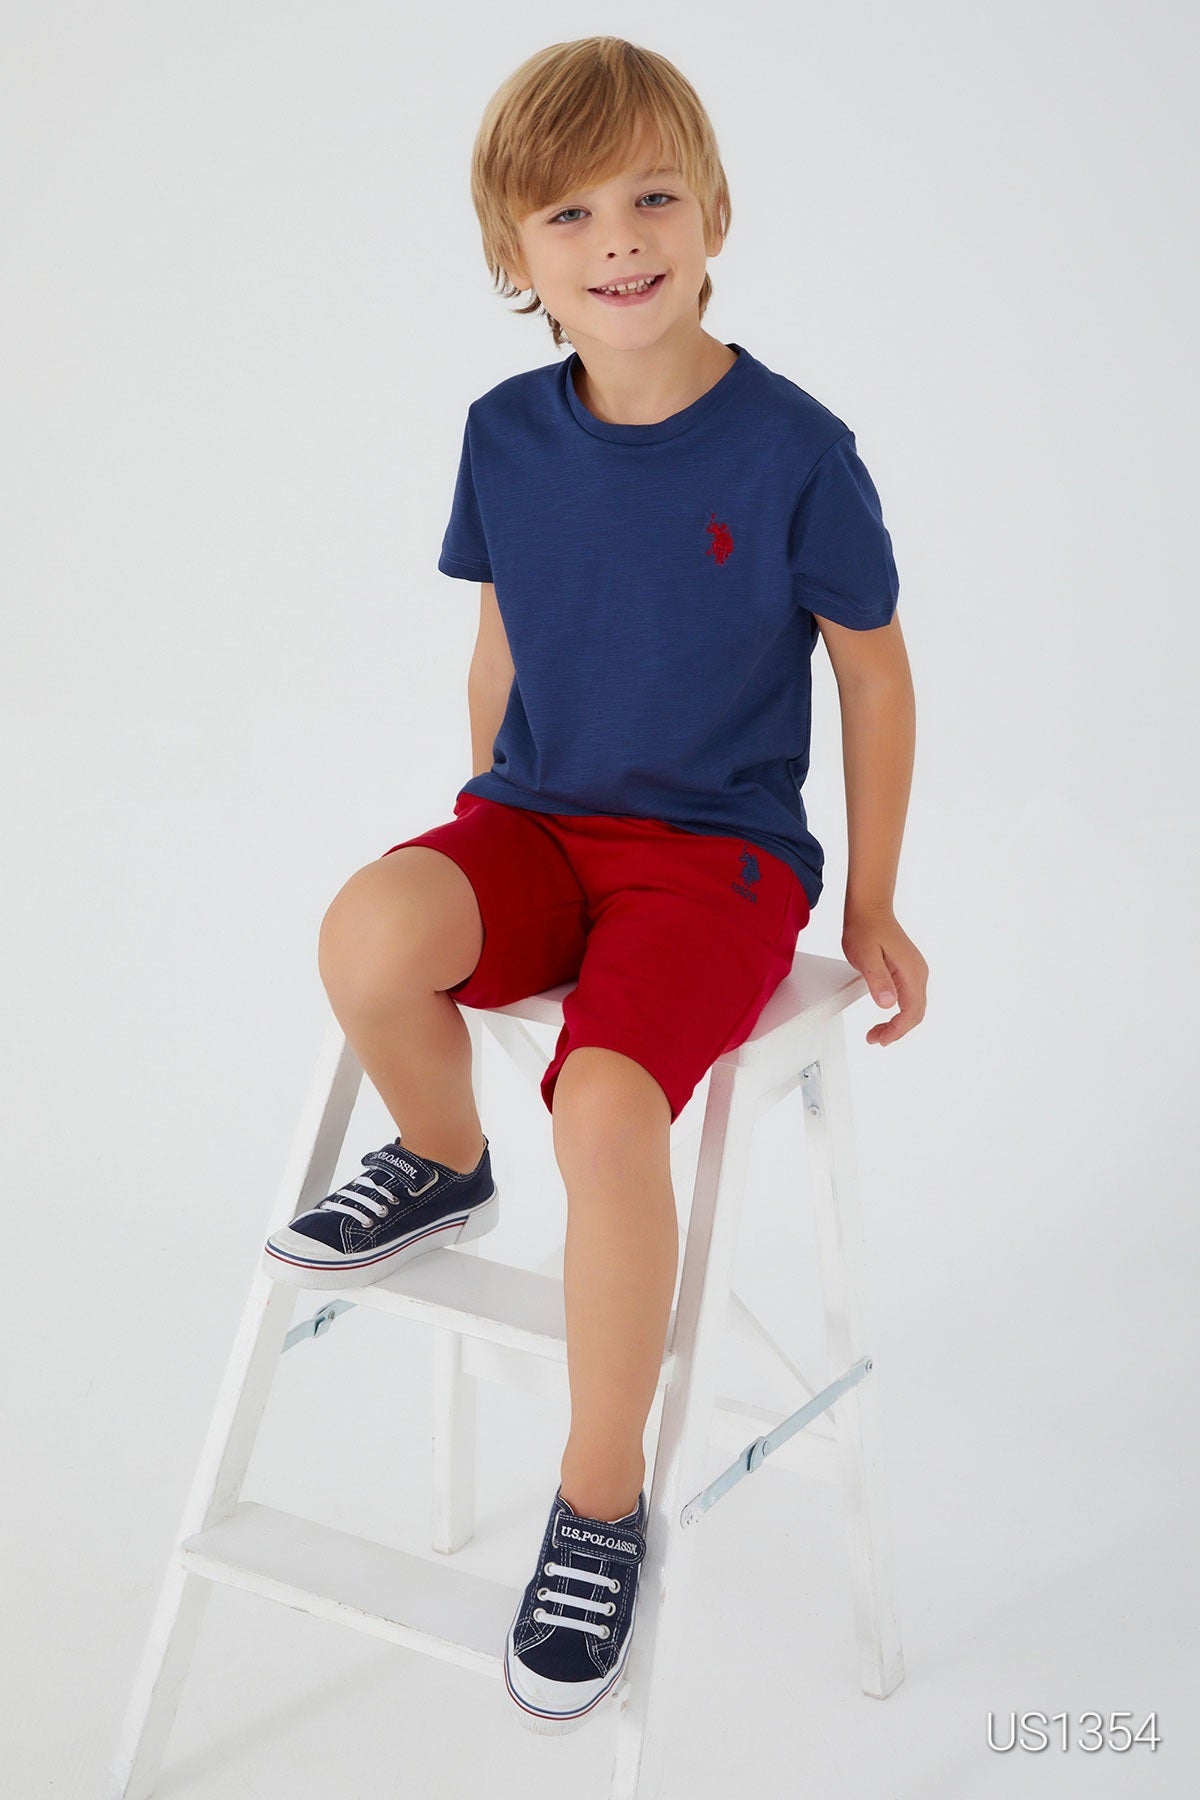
(644, 221)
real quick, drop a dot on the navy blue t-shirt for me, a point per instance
(658, 585)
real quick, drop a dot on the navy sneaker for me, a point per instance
(401, 1206)
(571, 1633)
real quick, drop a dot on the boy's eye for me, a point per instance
(655, 196)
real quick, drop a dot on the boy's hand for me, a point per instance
(890, 964)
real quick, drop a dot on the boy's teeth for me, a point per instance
(630, 287)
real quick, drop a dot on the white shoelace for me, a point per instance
(358, 1192)
(593, 1579)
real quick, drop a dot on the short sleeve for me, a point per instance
(464, 548)
(839, 549)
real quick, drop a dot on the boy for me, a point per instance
(659, 526)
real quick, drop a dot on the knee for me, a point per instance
(605, 1099)
(367, 954)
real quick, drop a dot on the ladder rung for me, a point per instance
(505, 1309)
(492, 1301)
(445, 1612)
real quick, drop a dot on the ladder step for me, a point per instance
(494, 1302)
(472, 1294)
(510, 1313)
(445, 1612)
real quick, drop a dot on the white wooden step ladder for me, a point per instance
(500, 1323)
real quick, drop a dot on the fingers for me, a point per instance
(878, 978)
(883, 993)
(890, 969)
(894, 1028)
(912, 1008)
(912, 1011)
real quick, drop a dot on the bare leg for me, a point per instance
(611, 1139)
(401, 931)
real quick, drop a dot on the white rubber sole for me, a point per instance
(544, 1723)
(291, 1257)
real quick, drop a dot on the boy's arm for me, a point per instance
(489, 680)
(878, 741)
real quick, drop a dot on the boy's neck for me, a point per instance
(644, 387)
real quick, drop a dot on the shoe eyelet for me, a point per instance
(616, 1587)
(543, 1593)
(605, 1632)
(611, 1608)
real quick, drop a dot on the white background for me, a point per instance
(244, 310)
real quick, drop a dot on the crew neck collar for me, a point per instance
(697, 413)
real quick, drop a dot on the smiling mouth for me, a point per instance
(609, 292)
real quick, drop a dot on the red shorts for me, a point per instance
(675, 939)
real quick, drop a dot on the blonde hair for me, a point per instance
(565, 120)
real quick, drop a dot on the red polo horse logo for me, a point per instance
(721, 546)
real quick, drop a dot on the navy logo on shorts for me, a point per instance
(750, 872)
